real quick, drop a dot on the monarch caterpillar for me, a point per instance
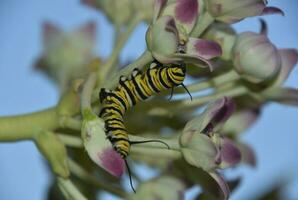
(130, 91)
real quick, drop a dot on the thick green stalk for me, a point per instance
(23, 127)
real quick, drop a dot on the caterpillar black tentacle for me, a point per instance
(129, 174)
(146, 141)
(171, 95)
(187, 91)
(130, 91)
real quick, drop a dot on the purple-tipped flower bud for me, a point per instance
(216, 114)
(231, 11)
(255, 57)
(229, 154)
(211, 120)
(99, 149)
(168, 36)
(203, 148)
(185, 13)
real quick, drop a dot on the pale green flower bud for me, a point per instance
(66, 55)
(200, 151)
(118, 12)
(255, 58)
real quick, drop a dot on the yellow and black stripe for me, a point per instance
(130, 91)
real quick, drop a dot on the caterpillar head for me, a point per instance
(178, 70)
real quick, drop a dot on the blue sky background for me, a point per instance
(23, 172)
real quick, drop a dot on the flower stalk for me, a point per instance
(69, 190)
(70, 123)
(215, 82)
(70, 141)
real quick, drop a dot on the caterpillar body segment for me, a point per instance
(139, 87)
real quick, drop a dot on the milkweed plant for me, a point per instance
(231, 77)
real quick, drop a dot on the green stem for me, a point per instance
(86, 109)
(117, 30)
(70, 140)
(87, 91)
(179, 107)
(237, 91)
(69, 103)
(71, 123)
(202, 24)
(108, 66)
(144, 59)
(26, 126)
(230, 76)
(69, 190)
(81, 173)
